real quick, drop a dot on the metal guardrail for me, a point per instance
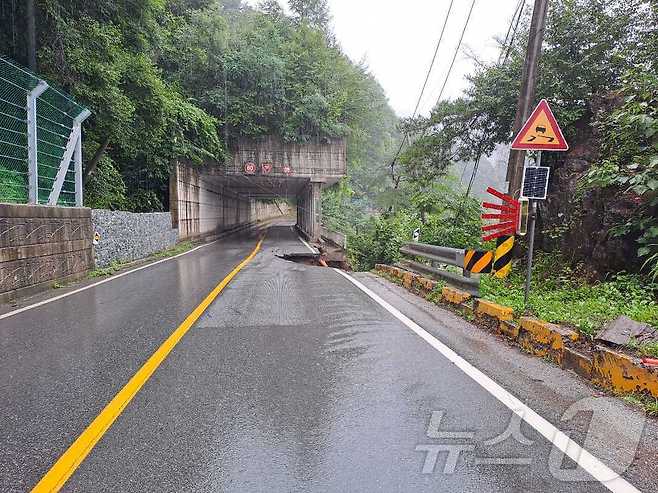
(438, 256)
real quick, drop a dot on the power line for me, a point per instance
(504, 49)
(454, 56)
(436, 51)
(516, 26)
(509, 28)
(422, 91)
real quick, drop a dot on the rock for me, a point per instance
(622, 330)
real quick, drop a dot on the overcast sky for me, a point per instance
(397, 39)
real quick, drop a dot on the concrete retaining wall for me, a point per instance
(126, 236)
(317, 159)
(40, 245)
(309, 211)
(201, 207)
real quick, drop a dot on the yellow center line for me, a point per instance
(66, 465)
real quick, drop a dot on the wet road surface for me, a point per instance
(292, 380)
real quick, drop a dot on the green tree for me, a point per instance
(315, 12)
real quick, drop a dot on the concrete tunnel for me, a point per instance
(219, 197)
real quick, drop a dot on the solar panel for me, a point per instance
(535, 182)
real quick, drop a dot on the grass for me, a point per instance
(111, 269)
(560, 294)
(116, 265)
(647, 349)
(644, 401)
(435, 295)
(177, 249)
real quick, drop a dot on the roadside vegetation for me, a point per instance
(181, 79)
(170, 80)
(562, 294)
(117, 266)
(600, 224)
(646, 402)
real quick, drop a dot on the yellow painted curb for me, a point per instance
(544, 339)
(577, 362)
(607, 368)
(509, 329)
(425, 285)
(408, 279)
(621, 373)
(454, 296)
(502, 313)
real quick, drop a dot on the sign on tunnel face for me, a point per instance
(250, 168)
(266, 168)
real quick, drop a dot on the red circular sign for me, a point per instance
(250, 168)
(287, 170)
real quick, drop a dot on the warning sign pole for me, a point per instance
(532, 220)
(527, 94)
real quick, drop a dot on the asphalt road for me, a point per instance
(294, 379)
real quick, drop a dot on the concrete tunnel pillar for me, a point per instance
(309, 210)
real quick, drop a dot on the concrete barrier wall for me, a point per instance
(41, 245)
(202, 207)
(126, 236)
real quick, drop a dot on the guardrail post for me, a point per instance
(32, 159)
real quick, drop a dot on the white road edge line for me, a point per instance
(313, 250)
(111, 278)
(599, 471)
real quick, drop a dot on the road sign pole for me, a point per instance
(531, 246)
(532, 220)
(527, 94)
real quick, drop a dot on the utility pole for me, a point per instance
(31, 33)
(527, 96)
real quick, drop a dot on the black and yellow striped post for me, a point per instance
(502, 264)
(478, 261)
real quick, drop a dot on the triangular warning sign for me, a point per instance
(541, 132)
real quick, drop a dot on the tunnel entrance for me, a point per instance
(216, 197)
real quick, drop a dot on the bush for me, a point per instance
(379, 241)
(13, 186)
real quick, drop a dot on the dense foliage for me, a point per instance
(593, 49)
(179, 79)
(440, 211)
(629, 160)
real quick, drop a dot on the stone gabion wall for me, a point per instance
(126, 236)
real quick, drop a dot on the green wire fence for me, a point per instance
(49, 140)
